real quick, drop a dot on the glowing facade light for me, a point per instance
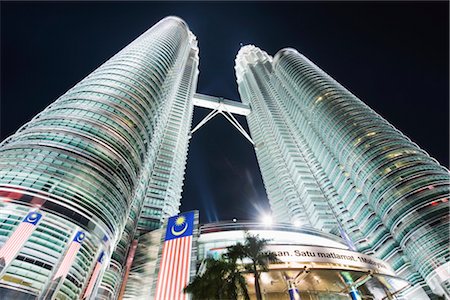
(267, 220)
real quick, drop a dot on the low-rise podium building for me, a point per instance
(316, 264)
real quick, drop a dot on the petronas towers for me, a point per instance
(105, 163)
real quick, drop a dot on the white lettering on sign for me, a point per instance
(305, 254)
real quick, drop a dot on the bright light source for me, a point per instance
(234, 220)
(267, 220)
(297, 223)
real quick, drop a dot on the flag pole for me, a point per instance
(130, 259)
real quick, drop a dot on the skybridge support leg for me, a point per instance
(238, 126)
(205, 120)
(226, 108)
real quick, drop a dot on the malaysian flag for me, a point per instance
(15, 242)
(95, 273)
(70, 255)
(176, 258)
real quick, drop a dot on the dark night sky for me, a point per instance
(394, 56)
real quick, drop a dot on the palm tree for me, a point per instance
(208, 284)
(253, 249)
(221, 279)
(236, 280)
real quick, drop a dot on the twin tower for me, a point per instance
(105, 162)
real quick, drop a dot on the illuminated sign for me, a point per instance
(307, 254)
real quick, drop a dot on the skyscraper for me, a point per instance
(105, 162)
(104, 158)
(330, 162)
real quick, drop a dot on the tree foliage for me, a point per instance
(253, 249)
(223, 279)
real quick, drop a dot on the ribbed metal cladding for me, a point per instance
(162, 177)
(87, 159)
(101, 129)
(163, 193)
(295, 196)
(30, 271)
(405, 188)
(358, 223)
(319, 146)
